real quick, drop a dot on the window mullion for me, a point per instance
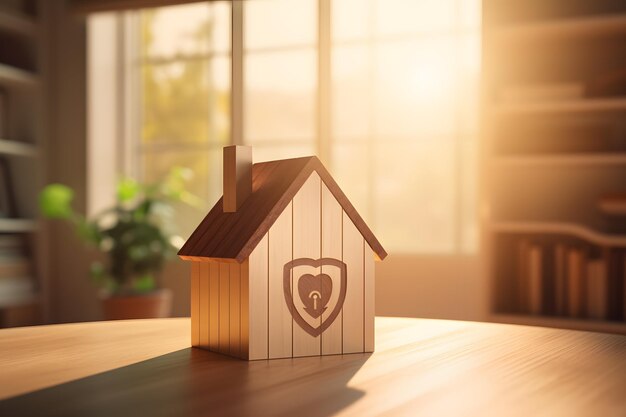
(324, 110)
(130, 104)
(236, 73)
(459, 218)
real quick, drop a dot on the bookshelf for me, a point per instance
(23, 280)
(562, 106)
(555, 160)
(554, 144)
(10, 75)
(563, 27)
(562, 229)
(18, 22)
(11, 147)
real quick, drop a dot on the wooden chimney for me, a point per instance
(237, 176)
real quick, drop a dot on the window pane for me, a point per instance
(278, 23)
(352, 170)
(280, 95)
(206, 183)
(214, 173)
(273, 152)
(416, 87)
(351, 19)
(186, 101)
(185, 30)
(395, 17)
(470, 14)
(414, 195)
(469, 194)
(469, 83)
(175, 102)
(352, 92)
(219, 21)
(219, 101)
(175, 30)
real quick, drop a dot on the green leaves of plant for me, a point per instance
(55, 201)
(133, 233)
(127, 189)
(144, 283)
(174, 186)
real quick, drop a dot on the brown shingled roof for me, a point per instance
(234, 236)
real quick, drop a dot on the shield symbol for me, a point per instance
(319, 297)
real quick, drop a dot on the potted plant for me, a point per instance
(134, 235)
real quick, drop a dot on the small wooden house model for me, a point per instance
(282, 265)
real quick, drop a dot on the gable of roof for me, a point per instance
(234, 236)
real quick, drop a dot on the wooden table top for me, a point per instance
(420, 367)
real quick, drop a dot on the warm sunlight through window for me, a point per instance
(402, 81)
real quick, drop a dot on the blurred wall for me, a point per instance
(447, 287)
(72, 297)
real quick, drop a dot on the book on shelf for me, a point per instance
(560, 279)
(615, 299)
(16, 281)
(11, 242)
(11, 247)
(531, 283)
(523, 297)
(4, 114)
(535, 279)
(576, 272)
(570, 280)
(528, 93)
(17, 266)
(597, 289)
(15, 290)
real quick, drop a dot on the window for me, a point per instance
(180, 58)
(280, 77)
(404, 100)
(384, 91)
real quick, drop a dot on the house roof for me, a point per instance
(234, 236)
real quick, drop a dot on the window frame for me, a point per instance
(130, 154)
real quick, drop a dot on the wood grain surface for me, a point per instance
(420, 367)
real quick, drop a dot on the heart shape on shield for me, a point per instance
(315, 292)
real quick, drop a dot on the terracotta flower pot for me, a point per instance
(145, 306)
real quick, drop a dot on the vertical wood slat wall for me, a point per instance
(280, 252)
(239, 309)
(258, 302)
(306, 244)
(216, 316)
(353, 306)
(332, 247)
(214, 305)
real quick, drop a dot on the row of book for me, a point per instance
(16, 275)
(571, 280)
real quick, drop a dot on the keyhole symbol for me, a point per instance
(315, 295)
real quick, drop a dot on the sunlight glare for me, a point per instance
(431, 83)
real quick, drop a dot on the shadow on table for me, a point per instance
(193, 382)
